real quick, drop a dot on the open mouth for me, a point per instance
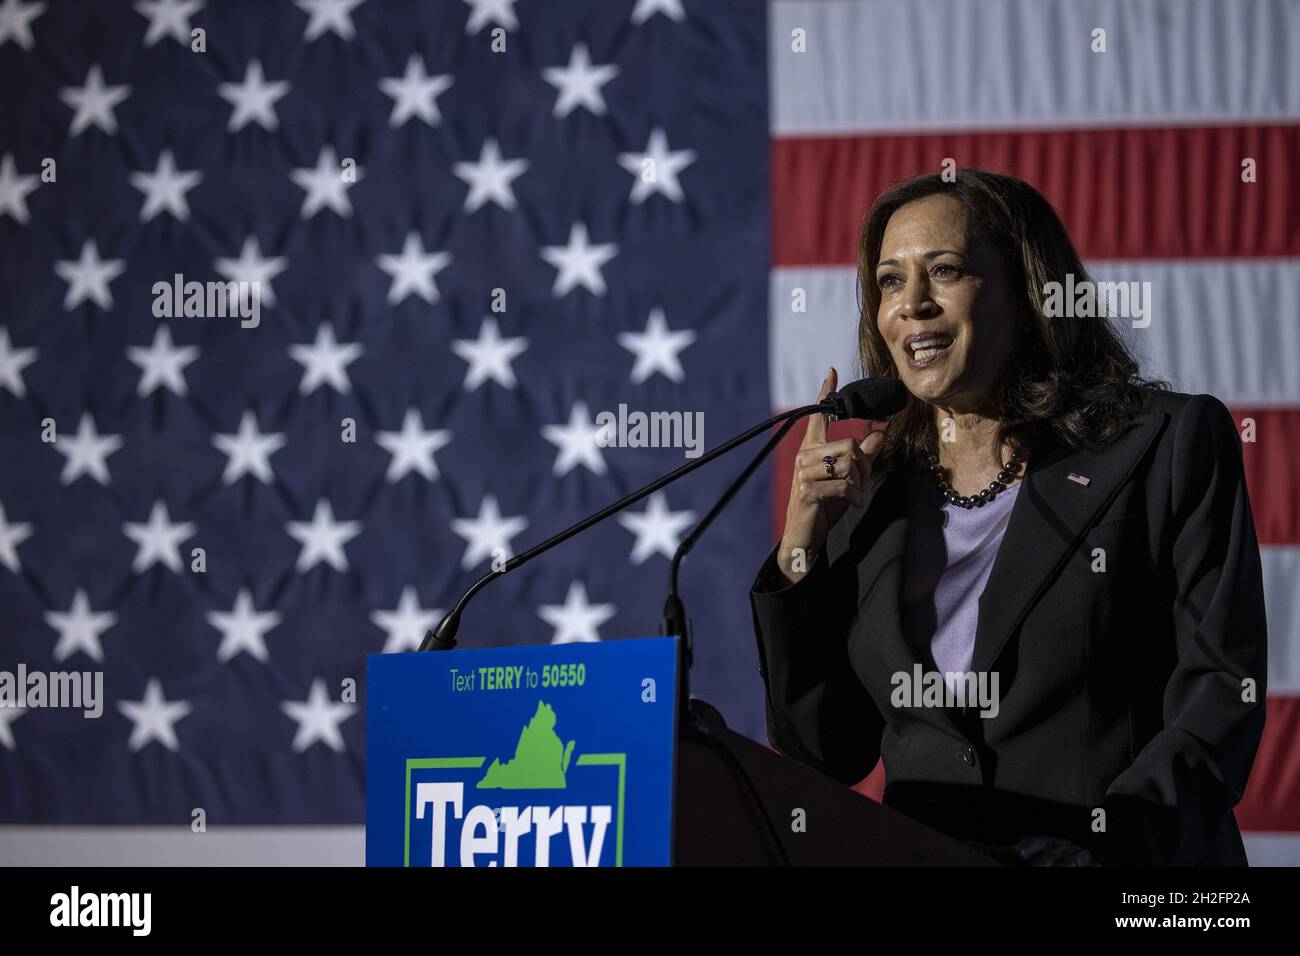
(926, 350)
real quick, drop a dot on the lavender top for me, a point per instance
(950, 552)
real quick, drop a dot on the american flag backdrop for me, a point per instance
(474, 225)
(461, 264)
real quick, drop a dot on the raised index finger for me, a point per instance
(816, 433)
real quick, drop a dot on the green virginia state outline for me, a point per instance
(540, 761)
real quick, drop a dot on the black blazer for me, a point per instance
(1131, 700)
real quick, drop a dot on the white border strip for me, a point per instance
(177, 846)
(302, 846)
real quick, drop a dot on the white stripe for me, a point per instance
(1272, 849)
(813, 322)
(1223, 327)
(1281, 567)
(895, 65)
(177, 846)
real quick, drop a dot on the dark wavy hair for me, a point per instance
(1074, 379)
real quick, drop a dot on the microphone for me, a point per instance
(854, 400)
(873, 399)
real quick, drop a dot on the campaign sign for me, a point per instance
(522, 756)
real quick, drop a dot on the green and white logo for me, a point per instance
(554, 794)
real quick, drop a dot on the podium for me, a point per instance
(740, 804)
(583, 755)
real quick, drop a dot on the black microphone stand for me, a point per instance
(443, 637)
(694, 718)
(675, 622)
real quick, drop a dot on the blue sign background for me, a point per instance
(420, 730)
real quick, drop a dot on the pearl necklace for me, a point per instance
(998, 484)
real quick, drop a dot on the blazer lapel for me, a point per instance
(874, 537)
(1051, 513)
(874, 532)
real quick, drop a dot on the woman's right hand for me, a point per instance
(820, 495)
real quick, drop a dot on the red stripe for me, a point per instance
(1272, 799)
(1270, 460)
(1124, 193)
(873, 785)
(1272, 475)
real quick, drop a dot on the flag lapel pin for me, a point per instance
(1079, 479)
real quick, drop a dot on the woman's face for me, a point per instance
(946, 309)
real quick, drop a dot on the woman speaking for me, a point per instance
(1036, 593)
